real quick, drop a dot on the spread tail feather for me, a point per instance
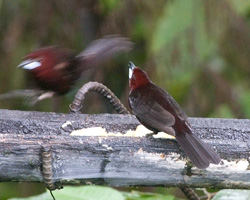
(200, 153)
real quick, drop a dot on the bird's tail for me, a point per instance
(103, 49)
(200, 153)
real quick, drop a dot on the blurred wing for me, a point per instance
(102, 49)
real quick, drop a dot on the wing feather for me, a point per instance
(154, 114)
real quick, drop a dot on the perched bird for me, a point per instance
(56, 69)
(158, 111)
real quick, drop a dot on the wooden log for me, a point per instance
(118, 160)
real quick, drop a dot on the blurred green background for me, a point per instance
(198, 50)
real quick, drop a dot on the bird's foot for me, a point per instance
(150, 135)
(33, 100)
(45, 95)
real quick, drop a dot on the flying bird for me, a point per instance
(157, 110)
(56, 69)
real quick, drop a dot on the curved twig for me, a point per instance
(101, 89)
(119, 107)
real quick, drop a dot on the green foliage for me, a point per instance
(172, 24)
(135, 195)
(232, 195)
(12, 189)
(223, 111)
(97, 193)
(188, 41)
(242, 6)
(244, 101)
(43, 196)
(88, 192)
(171, 45)
(108, 5)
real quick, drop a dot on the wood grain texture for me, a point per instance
(118, 161)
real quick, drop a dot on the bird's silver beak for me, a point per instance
(29, 64)
(131, 68)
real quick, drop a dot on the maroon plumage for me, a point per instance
(158, 111)
(57, 69)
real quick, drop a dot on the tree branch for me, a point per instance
(118, 160)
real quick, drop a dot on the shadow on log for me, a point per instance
(118, 160)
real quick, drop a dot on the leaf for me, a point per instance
(88, 193)
(232, 195)
(136, 195)
(80, 193)
(44, 196)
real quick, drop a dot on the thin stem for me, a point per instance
(47, 168)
